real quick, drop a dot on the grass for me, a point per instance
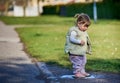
(37, 20)
(46, 41)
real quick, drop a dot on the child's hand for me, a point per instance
(82, 42)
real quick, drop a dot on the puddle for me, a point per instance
(99, 76)
(90, 77)
(72, 77)
(67, 76)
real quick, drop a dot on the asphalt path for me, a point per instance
(15, 65)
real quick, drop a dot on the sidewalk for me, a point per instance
(15, 65)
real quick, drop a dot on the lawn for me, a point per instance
(46, 41)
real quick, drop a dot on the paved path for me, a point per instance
(15, 65)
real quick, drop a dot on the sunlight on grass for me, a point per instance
(47, 44)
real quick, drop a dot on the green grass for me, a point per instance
(46, 42)
(37, 20)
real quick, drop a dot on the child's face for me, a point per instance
(83, 27)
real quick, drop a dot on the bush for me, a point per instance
(51, 10)
(108, 9)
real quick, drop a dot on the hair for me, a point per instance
(82, 18)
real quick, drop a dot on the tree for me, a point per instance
(4, 6)
(22, 3)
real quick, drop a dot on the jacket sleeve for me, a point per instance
(73, 39)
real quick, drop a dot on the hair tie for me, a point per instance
(77, 15)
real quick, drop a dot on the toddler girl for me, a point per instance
(78, 44)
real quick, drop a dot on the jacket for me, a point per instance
(78, 49)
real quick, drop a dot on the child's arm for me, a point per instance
(74, 40)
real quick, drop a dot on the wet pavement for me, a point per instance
(18, 73)
(63, 75)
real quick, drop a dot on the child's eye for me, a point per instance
(86, 25)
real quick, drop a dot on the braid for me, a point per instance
(77, 15)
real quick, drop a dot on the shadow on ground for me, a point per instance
(18, 72)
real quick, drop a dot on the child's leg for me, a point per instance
(77, 62)
(83, 65)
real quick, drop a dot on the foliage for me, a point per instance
(107, 9)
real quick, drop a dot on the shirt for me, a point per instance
(73, 39)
